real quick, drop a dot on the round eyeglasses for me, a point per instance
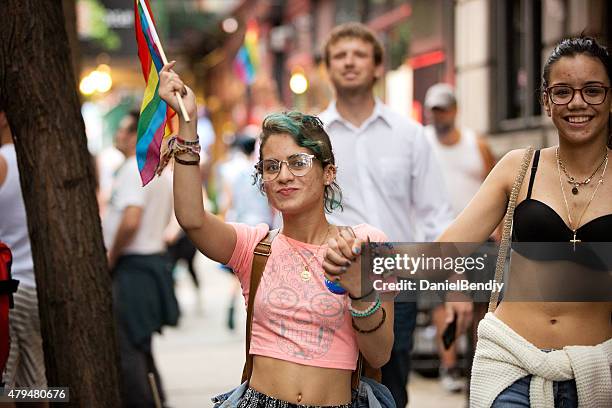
(593, 94)
(299, 165)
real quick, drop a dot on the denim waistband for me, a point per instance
(255, 399)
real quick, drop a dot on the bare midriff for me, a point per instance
(554, 325)
(300, 384)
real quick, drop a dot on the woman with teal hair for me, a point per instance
(308, 328)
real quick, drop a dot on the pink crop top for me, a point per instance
(296, 320)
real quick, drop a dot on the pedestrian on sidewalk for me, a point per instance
(550, 353)
(305, 339)
(240, 201)
(26, 362)
(387, 170)
(465, 160)
(143, 292)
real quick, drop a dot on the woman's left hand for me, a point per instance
(342, 263)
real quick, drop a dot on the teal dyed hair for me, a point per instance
(307, 131)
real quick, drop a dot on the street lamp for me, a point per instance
(99, 80)
(298, 83)
(230, 25)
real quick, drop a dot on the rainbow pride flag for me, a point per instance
(246, 63)
(155, 121)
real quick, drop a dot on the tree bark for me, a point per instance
(70, 18)
(38, 92)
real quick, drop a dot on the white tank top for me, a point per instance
(462, 166)
(13, 221)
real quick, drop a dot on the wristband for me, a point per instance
(187, 162)
(378, 326)
(362, 297)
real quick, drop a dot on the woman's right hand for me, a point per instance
(171, 84)
(342, 263)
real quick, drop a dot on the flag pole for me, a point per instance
(163, 56)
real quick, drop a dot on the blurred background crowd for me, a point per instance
(247, 58)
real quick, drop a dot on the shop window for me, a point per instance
(518, 50)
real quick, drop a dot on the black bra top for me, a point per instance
(535, 221)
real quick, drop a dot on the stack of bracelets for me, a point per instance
(177, 145)
(369, 311)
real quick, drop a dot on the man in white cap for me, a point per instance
(465, 161)
(466, 158)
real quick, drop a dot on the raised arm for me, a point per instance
(213, 237)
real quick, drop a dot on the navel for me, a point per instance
(299, 397)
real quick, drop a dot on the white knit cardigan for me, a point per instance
(503, 357)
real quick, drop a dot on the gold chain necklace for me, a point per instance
(572, 180)
(574, 229)
(306, 274)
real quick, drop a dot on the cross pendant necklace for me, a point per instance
(569, 214)
(573, 241)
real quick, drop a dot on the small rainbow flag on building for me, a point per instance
(246, 63)
(155, 121)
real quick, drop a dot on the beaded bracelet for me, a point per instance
(378, 326)
(367, 312)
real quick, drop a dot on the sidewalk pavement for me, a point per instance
(201, 357)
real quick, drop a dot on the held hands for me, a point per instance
(169, 83)
(342, 263)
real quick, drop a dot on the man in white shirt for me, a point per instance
(386, 170)
(143, 295)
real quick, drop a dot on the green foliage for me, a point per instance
(399, 44)
(96, 28)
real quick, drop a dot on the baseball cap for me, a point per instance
(440, 96)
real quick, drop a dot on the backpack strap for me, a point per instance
(260, 258)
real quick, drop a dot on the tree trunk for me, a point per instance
(70, 18)
(37, 89)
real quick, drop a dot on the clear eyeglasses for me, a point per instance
(299, 165)
(592, 94)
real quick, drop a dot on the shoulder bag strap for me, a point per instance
(505, 241)
(260, 258)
